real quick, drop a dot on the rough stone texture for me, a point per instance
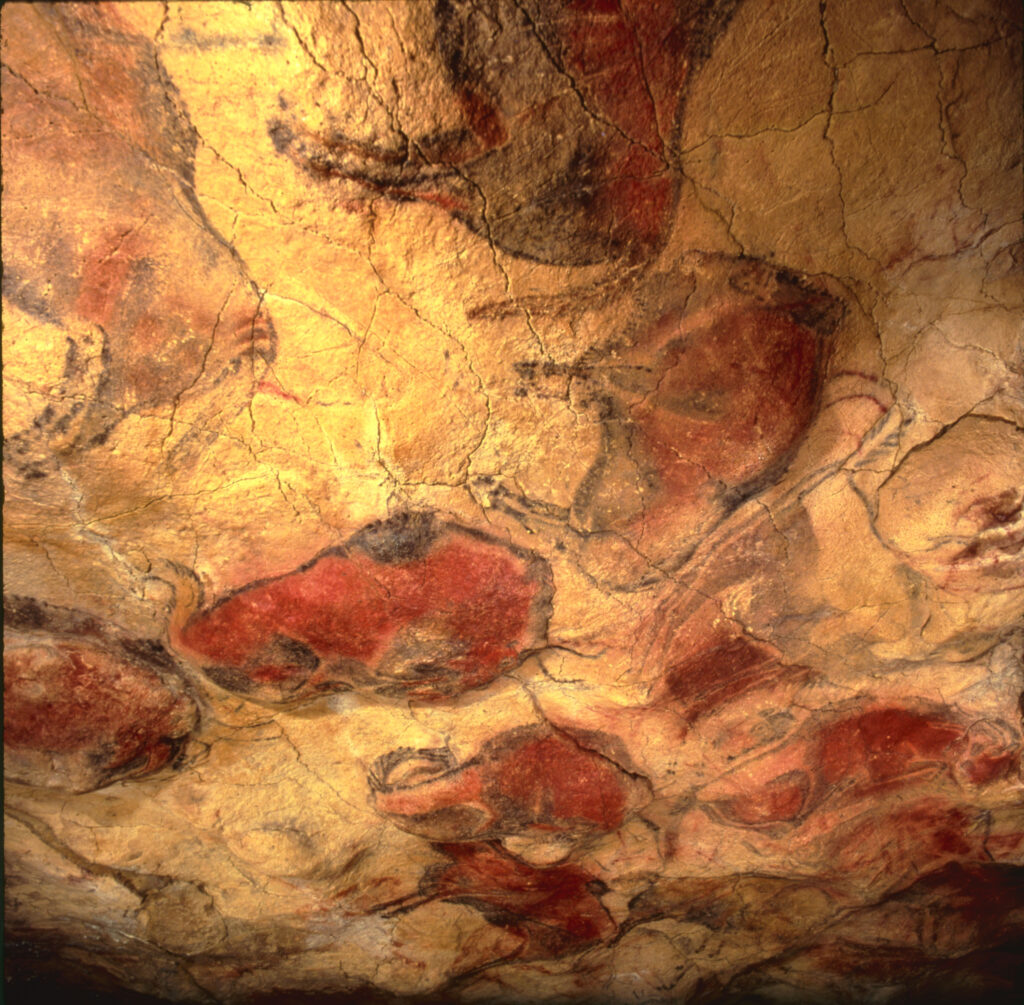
(514, 501)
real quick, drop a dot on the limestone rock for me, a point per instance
(514, 501)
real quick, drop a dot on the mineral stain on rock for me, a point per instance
(408, 608)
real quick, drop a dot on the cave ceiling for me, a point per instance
(514, 501)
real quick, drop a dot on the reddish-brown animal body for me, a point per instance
(450, 615)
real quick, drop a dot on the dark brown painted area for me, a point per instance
(726, 668)
(406, 609)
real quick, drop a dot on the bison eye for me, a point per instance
(418, 671)
(284, 649)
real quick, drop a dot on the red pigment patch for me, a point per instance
(729, 666)
(993, 511)
(484, 119)
(628, 61)
(731, 402)
(558, 782)
(107, 272)
(876, 753)
(923, 835)
(427, 807)
(93, 712)
(157, 338)
(990, 750)
(272, 387)
(523, 780)
(637, 206)
(989, 768)
(887, 744)
(778, 801)
(664, 43)
(454, 615)
(553, 909)
(601, 49)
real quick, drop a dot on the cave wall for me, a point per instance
(514, 501)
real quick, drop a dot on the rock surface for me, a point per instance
(514, 501)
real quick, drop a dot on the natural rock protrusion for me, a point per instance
(955, 507)
(182, 918)
(530, 780)
(410, 607)
(85, 705)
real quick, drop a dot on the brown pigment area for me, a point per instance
(90, 707)
(429, 620)
(527, 780)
